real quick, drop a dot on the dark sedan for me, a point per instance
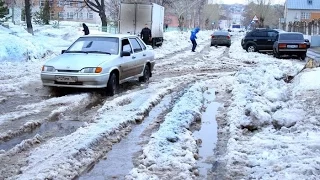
(221, 38)
(290, 43)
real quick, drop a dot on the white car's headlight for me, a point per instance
(48, 68)
(91, 70)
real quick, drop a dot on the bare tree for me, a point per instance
(248, 14)
(98, 6)
(211, 14)
(181, 9)
(262, 8)
(113, 8)
(276, 12)
(28, 16)
(269, 17)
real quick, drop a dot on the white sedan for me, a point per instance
(100, 61)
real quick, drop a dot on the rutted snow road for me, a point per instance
(62, 137)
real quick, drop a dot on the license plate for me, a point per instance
(66, 79)
(292, 46)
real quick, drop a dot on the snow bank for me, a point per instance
(170, 151)
(308, 80)
(175, 41)
(272, 133)
(18, 45)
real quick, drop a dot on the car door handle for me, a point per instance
(269, 40)
(133, 57)
(254, 40)
(144, 54)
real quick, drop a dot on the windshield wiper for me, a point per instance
(75, 52)
(87, 52)
(100, 52)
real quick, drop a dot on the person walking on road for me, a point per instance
(85, 29)
(146, 34)
(193, 38)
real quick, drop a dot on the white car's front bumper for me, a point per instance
(88, 80)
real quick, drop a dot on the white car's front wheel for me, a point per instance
(113, 84)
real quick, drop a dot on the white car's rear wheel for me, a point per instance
(146, 74)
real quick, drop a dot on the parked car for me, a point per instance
(221, 38)
(100, 61)
(261, 40)
(290, 43)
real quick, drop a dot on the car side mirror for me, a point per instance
(306, 40)
(125, 53)
(63, 51)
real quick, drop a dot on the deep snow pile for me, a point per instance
(272, 126)
(19, 45)
(172, 148)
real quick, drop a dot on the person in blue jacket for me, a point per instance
(193, 38)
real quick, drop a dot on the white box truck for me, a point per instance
(134, 16)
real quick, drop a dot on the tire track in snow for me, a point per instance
(173, 139)
(71, 153)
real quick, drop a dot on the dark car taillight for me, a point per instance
(212, 36)
(228, 37)
(281, 45)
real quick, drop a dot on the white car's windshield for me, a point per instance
(104, 45)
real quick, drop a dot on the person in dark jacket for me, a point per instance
(146, 34)
(85, 29)
(193, 38)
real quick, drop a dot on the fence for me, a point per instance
(308, 28)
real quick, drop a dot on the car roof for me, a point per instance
(103, 34)
(290, 33)
(221, 33)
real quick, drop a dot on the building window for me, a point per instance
(80, 15)
(61, 14)
(80, 4)
(69, 15)
(90, 15)
(61, 3)
(52, 15)
(42, 2)
(305, 15)
(309, 1)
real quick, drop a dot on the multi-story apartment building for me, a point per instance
(68, 10)
(63, 10)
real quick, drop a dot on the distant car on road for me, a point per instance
(290, 43)
(261, 40)
(221, 38)
(100, 61)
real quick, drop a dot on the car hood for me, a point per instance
(77, 61)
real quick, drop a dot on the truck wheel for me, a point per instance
(113, 84)
(251, 48)
(146, 74)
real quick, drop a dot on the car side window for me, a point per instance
(142, 45)
(260, 34)
(126, 46)
(135, 44)
(272, 34)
